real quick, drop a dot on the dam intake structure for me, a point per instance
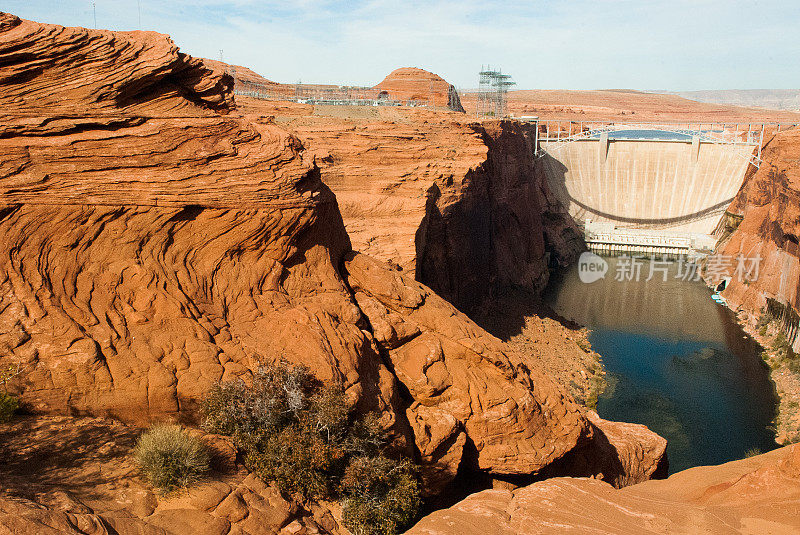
(646, 187)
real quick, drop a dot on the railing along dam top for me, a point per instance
(554, 135)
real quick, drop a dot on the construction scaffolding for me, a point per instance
(493, 92)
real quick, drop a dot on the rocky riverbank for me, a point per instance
(763, 224)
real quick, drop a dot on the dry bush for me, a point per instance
(8, 406)
(381, 495)
(171, 458)
(301, 435)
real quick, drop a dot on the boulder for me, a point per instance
(756, 495)
(457, 375)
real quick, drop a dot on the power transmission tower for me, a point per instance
(492, 92)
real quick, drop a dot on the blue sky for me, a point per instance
(576, 44)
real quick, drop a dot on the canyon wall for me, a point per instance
(460, 206)
(767, 211)
(156, 240)
(759, 259)
(500, 227)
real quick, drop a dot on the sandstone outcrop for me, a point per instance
(465, 391)
(756, 495)
(156, 240)
(618, 453)
(463, 384)
(413, 84)
(149, 256)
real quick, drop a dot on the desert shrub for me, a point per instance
(781, 345)
(293, 430)
(783, 354)
(763, 320)
(171, 458)
(275, 399)
(752, 452)
(381, 495)
(793, 362)
(297, 460)
(597, 385)
(301, 435)
(8, 405)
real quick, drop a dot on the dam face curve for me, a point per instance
(677, 184)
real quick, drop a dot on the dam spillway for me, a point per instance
(653, 185)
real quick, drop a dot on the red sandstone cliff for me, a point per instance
(157, 241)
(769, 207)
(765, 225)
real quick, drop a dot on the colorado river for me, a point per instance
(676, 362)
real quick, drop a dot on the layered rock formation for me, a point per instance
(157, 241)
(149, 245)
(469, 397)
(620, 454)
(755, 495)
(413, 84)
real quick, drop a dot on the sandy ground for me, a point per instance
(628, 106)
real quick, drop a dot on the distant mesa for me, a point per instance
(411, 83)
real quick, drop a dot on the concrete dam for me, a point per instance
(648, 188)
